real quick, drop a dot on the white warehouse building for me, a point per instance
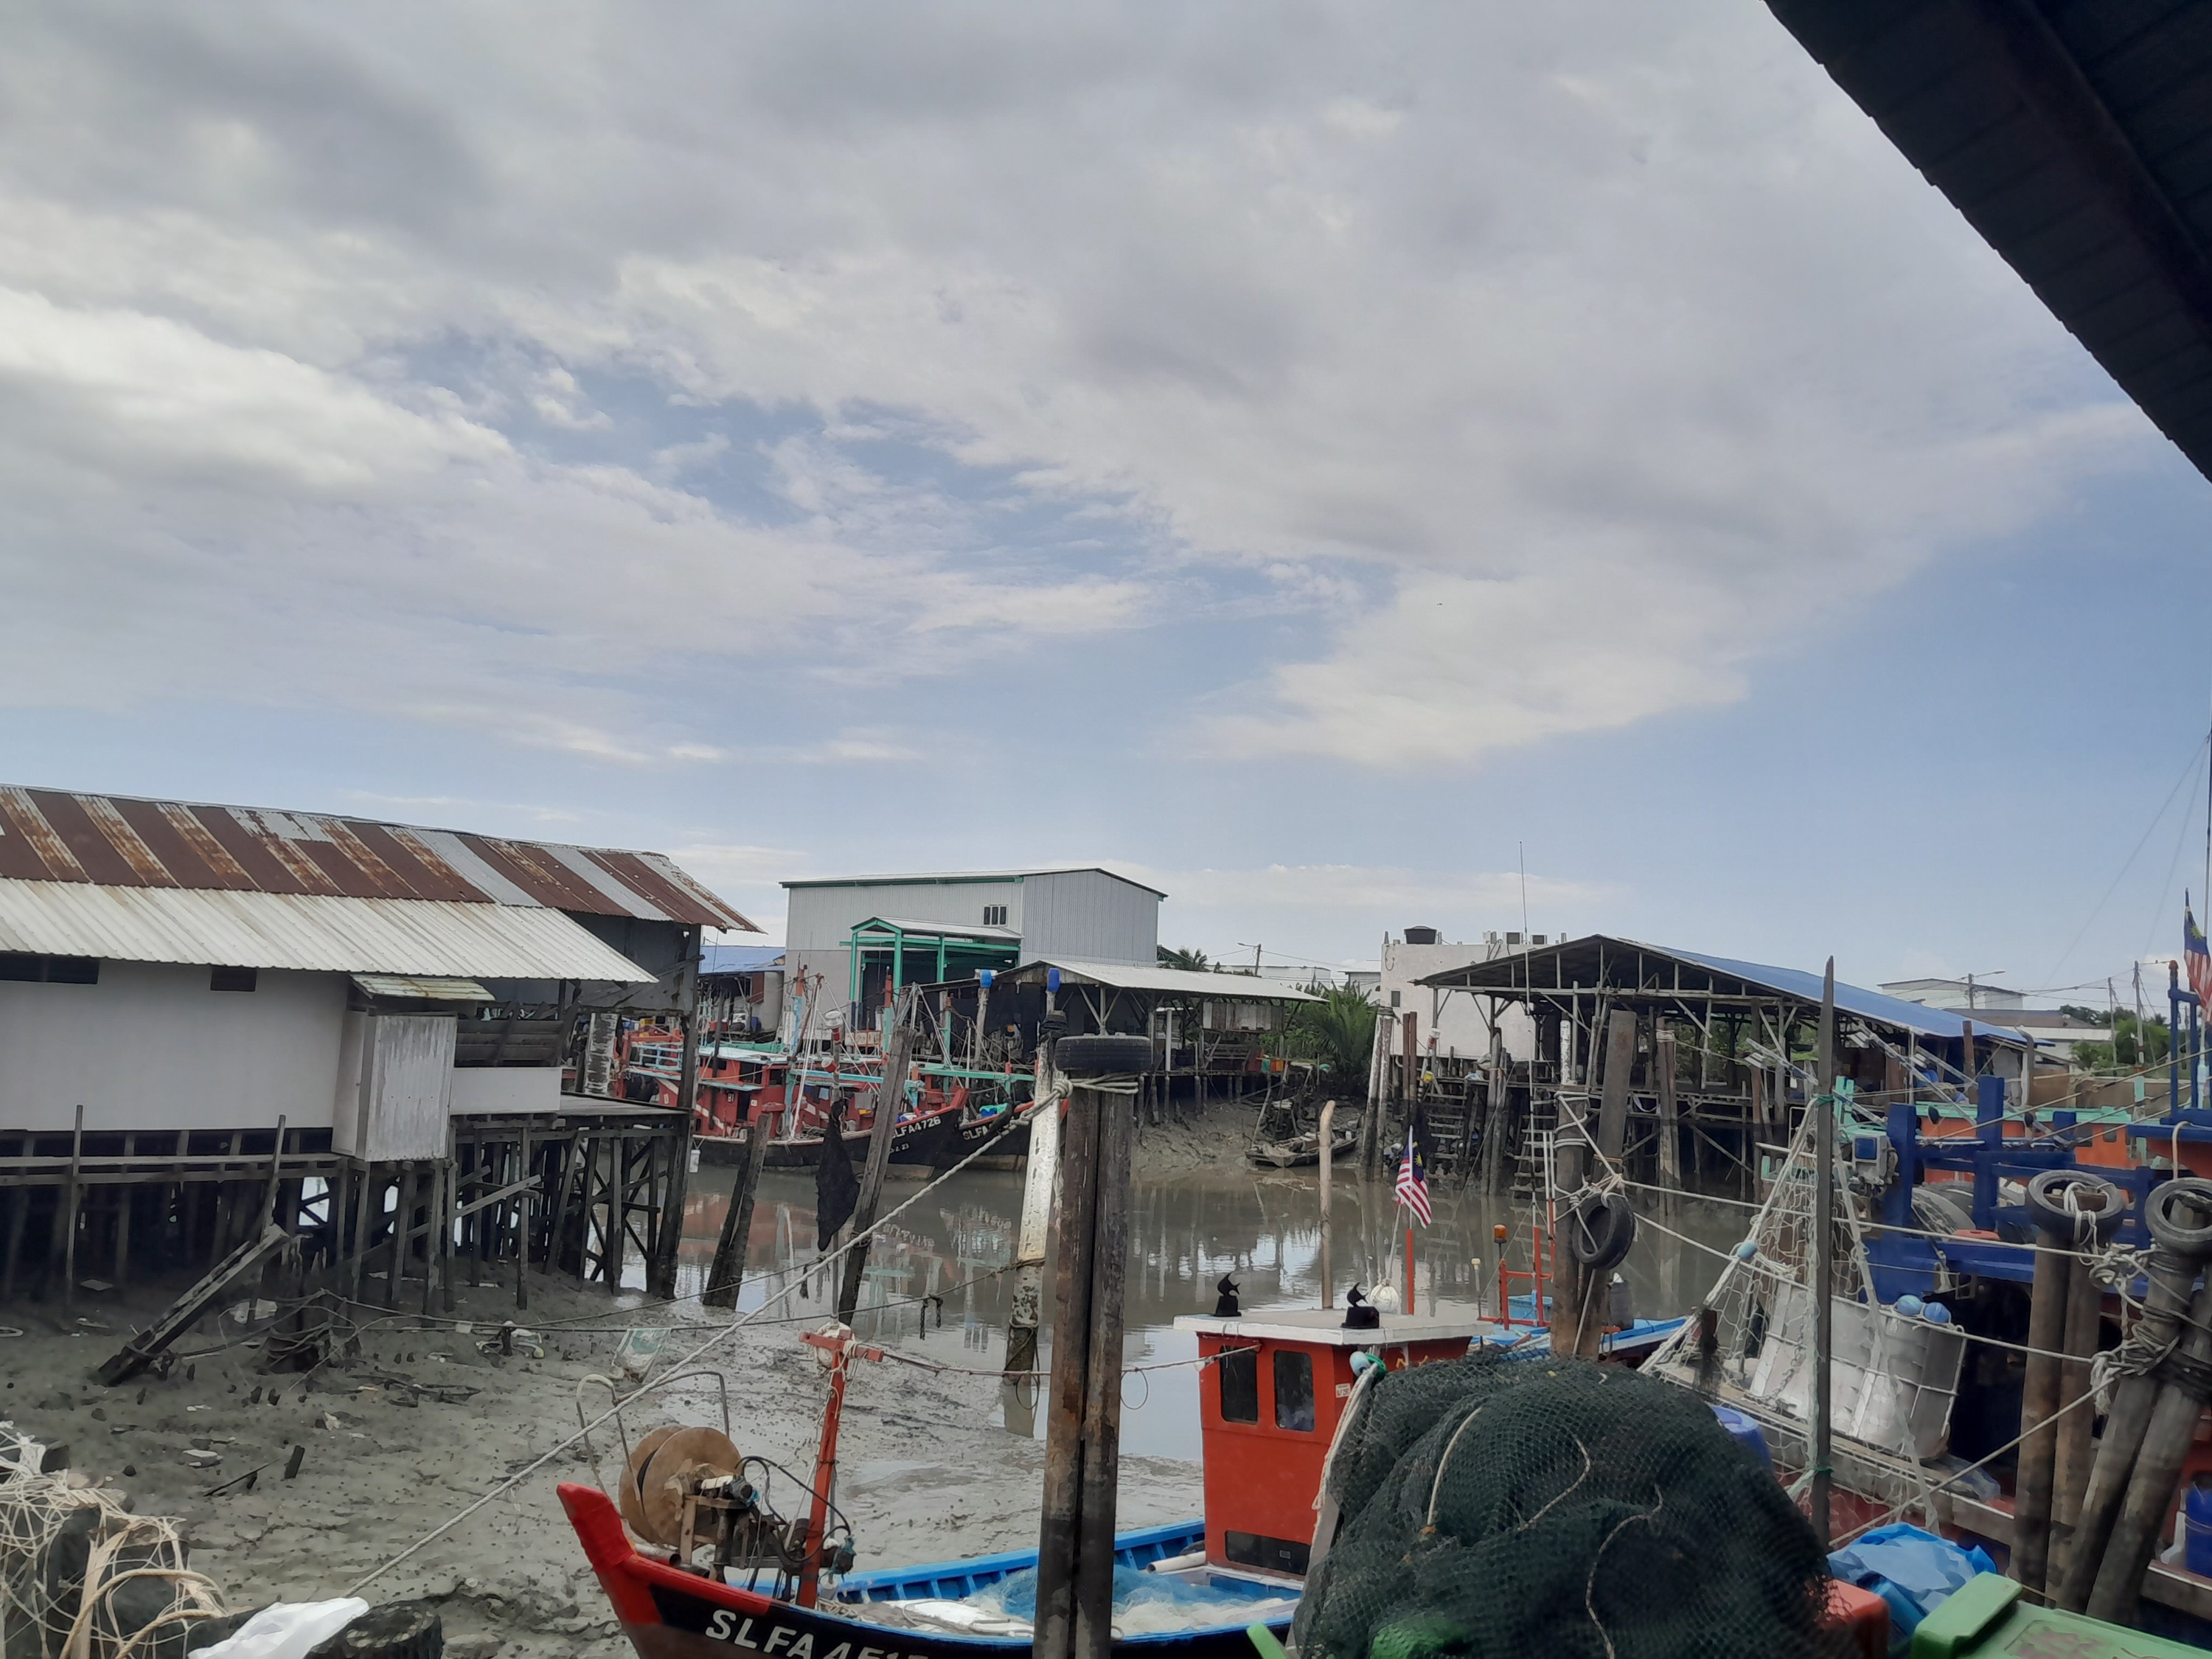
(852, 941)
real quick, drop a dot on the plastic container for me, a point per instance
(1987, 1618)
(1745, 1432)
(2196, 1526)
(1914, 1571)
(1864, 1615)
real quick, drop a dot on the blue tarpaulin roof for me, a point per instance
(1586, 964)
(1852, 999)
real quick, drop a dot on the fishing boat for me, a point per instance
(1933, 1298)
(696, 1563)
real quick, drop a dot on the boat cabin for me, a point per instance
(1268, 1409)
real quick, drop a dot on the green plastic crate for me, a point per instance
(1986, 1618)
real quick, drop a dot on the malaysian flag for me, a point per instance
(1413, 1184)
(2194, 954)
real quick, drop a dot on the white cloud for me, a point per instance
(1569, 360)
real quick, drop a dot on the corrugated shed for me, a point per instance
(116, 842)
(315, 933)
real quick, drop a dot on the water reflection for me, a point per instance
(939, 1279)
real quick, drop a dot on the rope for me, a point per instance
(75, 1617)
(1049, 1100)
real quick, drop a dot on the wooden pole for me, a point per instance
(1619, 1072)
(69, 1223)
(2165, 1300)
(668, 1235)
(522, 1201)
(2038, 1446)
(898, 1054)
(2149, 1498)
(1824, 1262)
(727, 1274)
(1670, 1143)
(1412, 1296)
(1058, 1529)
(1101, 1406)
(1024, 1312)
(1328, 1174)
(1370, 1124)
(2084, 1314)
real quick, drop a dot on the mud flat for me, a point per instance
(421, 1424)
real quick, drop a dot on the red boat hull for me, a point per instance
(668, 1614)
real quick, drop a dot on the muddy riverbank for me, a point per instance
(938, 1462)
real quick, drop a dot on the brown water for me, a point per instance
(954, 1244)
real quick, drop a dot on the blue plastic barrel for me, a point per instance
(1747, 1434)
(2196, 1526)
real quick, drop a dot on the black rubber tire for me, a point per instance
(2162, 1210)
(397, 1630)
(2046, 1204)
(1103, 1056)
(1599, 1231)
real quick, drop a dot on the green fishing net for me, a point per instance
(1513, 1509)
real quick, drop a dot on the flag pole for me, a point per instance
(1409, 1264)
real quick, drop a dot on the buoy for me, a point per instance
(1748, 1248)
(1938, 1314)
(1910, 1306)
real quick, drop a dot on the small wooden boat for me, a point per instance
(670, 1614)
(1302, 1152)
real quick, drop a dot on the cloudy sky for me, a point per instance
(1319, 458)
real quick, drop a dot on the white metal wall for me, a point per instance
(1087, 915)
(821, 919)
(152, 1046)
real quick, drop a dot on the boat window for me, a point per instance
(1240, 1386)
(1294, 1401)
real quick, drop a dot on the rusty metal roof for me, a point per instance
(116, 841)
(308, 932)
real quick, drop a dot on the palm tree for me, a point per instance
(1193, 962)
(1338, 1030)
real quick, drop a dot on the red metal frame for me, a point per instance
(839, 1344)
(1534, 1275)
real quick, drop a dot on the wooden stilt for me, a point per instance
(522, 1201)
(69, 1206)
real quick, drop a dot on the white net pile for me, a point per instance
(81, 1576)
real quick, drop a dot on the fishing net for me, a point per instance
(1510, 1509)
(80, 1577)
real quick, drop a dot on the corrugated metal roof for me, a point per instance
(942, 929)
(317, 932)
(959, 875)
(115, 841)
(738, 958)
(419, 988)
(2076, 136)
(1580, 964)
(1129, 976)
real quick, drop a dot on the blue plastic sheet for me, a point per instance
(1016, 1594)
(1914, 1571)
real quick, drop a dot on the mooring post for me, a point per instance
(1102, 1409)
(728, 1271)
(2179, 1214)
(2038, 1445)
(898, 1052)
(1328, 1172)
(1025, 1309)
(1670, 1144)
(1075, 1537)
(1057, 1527)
